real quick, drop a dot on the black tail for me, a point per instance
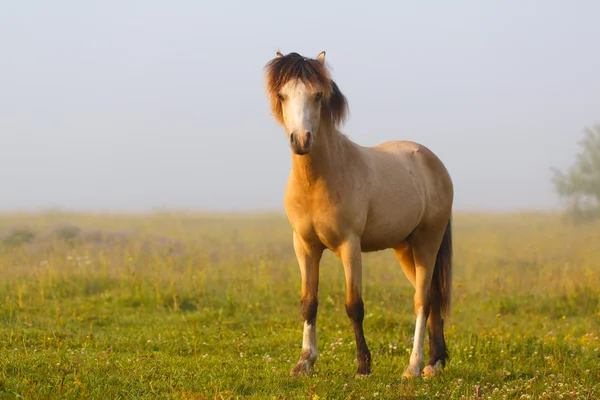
(442, 274)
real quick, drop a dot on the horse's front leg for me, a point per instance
(308, 259)
(350, 254)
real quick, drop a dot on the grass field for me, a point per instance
(207, 306)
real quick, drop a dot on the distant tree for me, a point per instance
(580, 185)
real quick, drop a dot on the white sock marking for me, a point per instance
(309, 339)
(416, 358)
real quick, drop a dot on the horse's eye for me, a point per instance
(318, 96)
(280, 96)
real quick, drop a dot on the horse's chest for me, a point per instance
(320, 230)
(330, 226)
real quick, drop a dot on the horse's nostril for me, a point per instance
(292, 138)
(308, 137)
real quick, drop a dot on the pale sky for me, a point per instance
(134, 105)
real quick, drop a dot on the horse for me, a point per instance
(353, 199)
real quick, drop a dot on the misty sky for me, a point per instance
(134, 105)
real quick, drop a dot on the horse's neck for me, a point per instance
(326, 160)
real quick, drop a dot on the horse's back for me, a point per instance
(398, 146)
(404, 147)
(417, 153)
(433, 169)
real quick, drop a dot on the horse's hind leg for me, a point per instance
(427, 262)
(435, 324)
(424, 246)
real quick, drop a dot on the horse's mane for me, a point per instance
(312, 73)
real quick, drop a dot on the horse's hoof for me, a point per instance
(305, 364)
(302, 367)
(363, 372)
(431, 371)
(412, 371)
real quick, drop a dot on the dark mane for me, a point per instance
(312, 73)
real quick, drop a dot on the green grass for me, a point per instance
(207, 306)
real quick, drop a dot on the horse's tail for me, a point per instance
(441, 282)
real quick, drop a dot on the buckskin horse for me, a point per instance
(352, 199)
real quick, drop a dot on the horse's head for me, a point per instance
(303, 98)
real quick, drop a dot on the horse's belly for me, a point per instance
(388, 224)
(383, 236)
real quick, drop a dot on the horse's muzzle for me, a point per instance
(301, 144)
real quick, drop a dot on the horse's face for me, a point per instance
(301, 110)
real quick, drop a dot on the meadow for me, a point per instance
(193, 306)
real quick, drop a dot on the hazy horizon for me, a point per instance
(134, 106)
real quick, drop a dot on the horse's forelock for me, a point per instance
(293, 66)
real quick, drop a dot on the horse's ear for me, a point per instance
(279, 55)
(321, 57)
